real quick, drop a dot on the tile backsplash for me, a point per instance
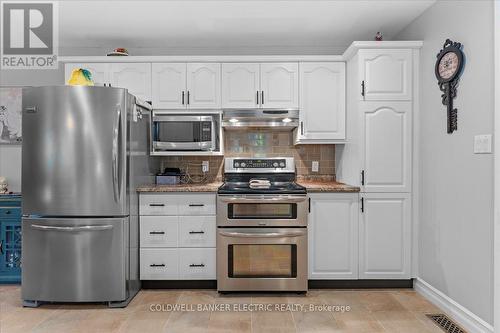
(260, 143)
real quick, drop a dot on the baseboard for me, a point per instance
(313, 284)
(465, 318)
(359, 284)
(179, 284)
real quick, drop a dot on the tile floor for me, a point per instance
(391, 310)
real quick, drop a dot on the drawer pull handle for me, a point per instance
(197, 265)
(157, 265)
(196, 232)
(157, 232)
(196, 205)
(157, 205)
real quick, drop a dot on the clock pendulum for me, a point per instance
(448, 69)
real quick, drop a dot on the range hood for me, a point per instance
(280, 119)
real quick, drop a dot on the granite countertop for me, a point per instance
(205, 187)
(313, 186)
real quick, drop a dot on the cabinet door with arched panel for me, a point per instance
(240, 85)
(279, 84)
(386, 155)
(169, 86)
(322, 102)
(136, 77)
(203, 85)
(386, 75)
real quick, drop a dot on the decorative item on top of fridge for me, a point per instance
(81, 77)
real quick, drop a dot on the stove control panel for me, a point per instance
(259, 164)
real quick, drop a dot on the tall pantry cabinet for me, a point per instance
(381, 103)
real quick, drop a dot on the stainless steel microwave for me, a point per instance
(180, 132)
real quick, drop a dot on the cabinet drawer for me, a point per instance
(157, 204)
(159, 264)
(197, 264)
(197, 231)
(158, 231)
(196, 204)
(10, 212)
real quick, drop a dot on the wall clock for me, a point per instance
(449, 65)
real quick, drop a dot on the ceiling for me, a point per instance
(230, 27)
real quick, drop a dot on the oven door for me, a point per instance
(262, 210)
(181, 132)
(262, 259)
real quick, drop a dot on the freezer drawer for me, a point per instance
(74, 260)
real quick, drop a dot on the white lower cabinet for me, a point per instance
(385, 236)
(177, 236)
(197, 264)
(197, 231)
(196, 204)
(333, 236)
(159, 264)
(158, 231)
(157, 204)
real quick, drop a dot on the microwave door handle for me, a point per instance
(262, 235)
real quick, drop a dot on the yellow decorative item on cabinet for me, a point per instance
(81, 77)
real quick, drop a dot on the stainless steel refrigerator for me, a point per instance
(84, 152)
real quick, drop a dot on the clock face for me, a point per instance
(448, 65)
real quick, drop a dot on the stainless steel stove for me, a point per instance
(262, 227)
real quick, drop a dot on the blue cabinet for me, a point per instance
(10, 238)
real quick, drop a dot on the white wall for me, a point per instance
(10, 155)
(456, 213)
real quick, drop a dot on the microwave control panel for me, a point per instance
(206, 131)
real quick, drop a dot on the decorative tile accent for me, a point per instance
(261, 143)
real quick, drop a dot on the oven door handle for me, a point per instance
(289, 199)
(295, 233)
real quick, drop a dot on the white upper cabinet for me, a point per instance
(136, 77)
(322, 102)
(186, 86)
(279, 85)
(169, 85)
(333, 236)
(386, 159)
(240, 85)
(99, 71)
(203, 85)
(385, 236)
(386, 74)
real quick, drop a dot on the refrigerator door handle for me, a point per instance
(79, 228)
(116, 133)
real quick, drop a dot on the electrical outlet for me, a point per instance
(315, 166)
(482, 144)
(205, 166)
